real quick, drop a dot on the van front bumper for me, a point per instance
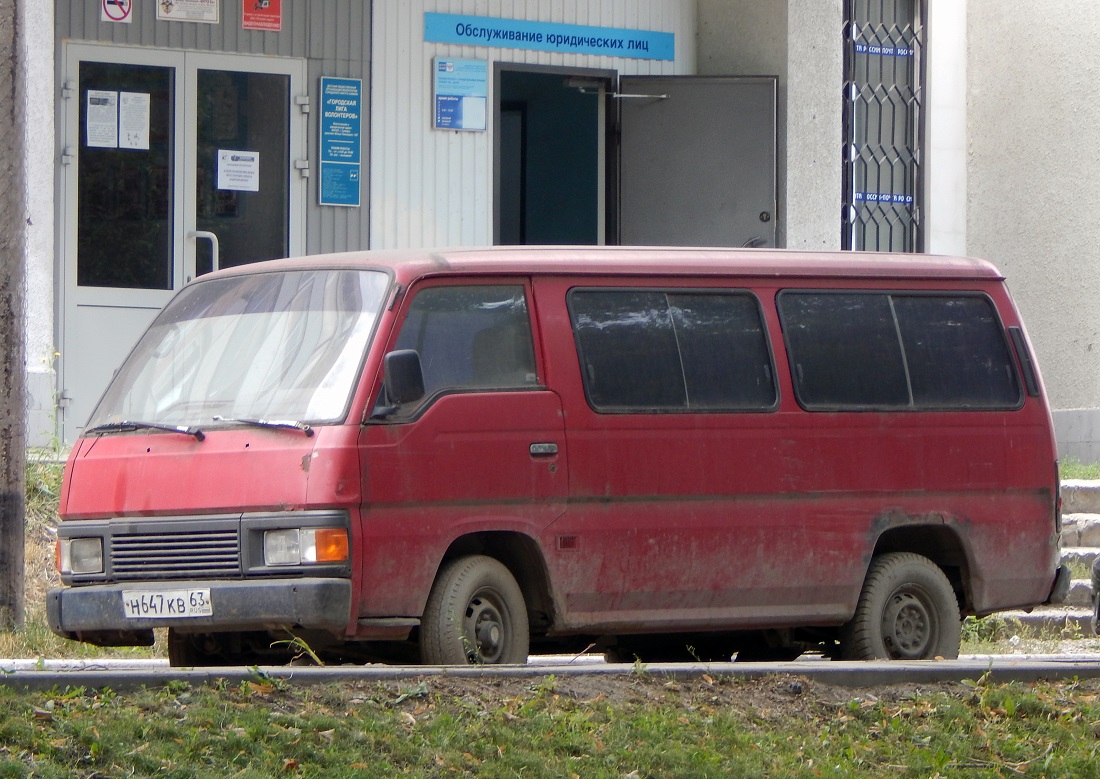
(94, 613)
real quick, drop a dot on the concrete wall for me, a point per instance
(1033, 182)
(800, 43)
(41, 342)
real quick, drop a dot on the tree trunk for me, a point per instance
(12, 368)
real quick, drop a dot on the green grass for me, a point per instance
(640, 727)
(1071, 468)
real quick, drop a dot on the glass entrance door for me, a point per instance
(176, 163)
(242, 167)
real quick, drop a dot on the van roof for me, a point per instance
(642, 260)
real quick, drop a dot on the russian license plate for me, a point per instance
(166, 603)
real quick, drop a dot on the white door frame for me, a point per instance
(93, 343)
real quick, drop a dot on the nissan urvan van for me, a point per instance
(467, 456)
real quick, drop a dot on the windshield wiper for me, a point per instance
(128, 424)
(289, 424)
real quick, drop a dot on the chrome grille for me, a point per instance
(200, 554)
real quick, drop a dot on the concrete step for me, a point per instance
(1066, 622)
(1080, 594)
(1081, 530)
(1080, 556)
(1080, 496)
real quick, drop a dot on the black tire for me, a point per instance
(475, 615)
(906, 611)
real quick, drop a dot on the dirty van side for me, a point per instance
(468, 456)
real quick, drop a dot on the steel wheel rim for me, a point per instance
(909, 625)
(485, 627)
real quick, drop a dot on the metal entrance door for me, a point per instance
(175, 163)
(697, 161)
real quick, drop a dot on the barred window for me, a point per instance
(883, 125)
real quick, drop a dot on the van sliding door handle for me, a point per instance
(543, 449)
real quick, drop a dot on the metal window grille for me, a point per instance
(883, 125)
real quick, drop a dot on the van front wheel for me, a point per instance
(906, 611)
(475, 615)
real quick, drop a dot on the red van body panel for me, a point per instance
(614, 523)
(465, 468)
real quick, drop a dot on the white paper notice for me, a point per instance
(239, 170)
(133, 120)
(102, 119)
(188, 10)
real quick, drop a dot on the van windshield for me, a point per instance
(271, 345)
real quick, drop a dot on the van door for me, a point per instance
(680, 511)
(697, 161)
(481, 457)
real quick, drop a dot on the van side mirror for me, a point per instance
(404, 376)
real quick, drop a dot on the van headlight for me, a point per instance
(80, 555)
(301, 546)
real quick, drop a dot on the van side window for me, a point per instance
(956, 352)
(471, 337)
(653, 350)
(878, 350)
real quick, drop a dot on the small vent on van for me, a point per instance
(200, 554)
(567, 542)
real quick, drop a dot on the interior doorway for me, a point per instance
(551, 155)
(589, 157)
(177, 163)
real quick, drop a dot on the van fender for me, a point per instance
(400, 568)
(937, 535)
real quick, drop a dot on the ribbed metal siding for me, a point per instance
(332, 35)
(198, 555)
(434, 188)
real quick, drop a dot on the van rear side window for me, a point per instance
(877, 350)
(655, 350)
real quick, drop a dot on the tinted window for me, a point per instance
(868, 350)
(956, 352)
(661, 351)
(471, 337)
(844, 349)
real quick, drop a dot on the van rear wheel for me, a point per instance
(475, 615)
(907, 610)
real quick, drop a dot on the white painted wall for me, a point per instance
(945, 140)
(1033, 177)
(434, 187)
(37, 18)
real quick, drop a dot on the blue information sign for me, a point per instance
(341, 141)
(461, 93)
(549, 36)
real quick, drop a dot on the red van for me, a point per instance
(465, 456)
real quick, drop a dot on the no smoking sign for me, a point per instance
(115, 10)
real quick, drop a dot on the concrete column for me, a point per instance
(41, 341)
(12, 403)
(814, 126)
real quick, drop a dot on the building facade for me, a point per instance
(185, 136)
